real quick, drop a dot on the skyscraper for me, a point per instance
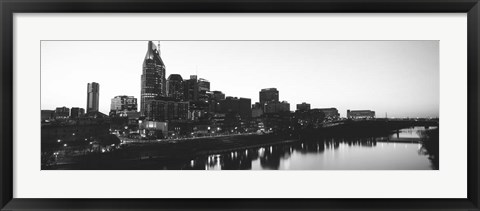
(203, 90)
(175, 86)
(191, 88)
(93, 94)
(153, 76)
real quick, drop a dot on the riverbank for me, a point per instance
(163, 154)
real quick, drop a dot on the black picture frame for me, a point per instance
(9, 7)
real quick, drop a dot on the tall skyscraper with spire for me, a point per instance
(153, 76)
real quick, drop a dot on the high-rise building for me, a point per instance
(191, 89)
(203, 85)
(76, 112)
(268, 95)
(175, 87)
(303, 107)
(93, 94)
(166, 109)
(153, 82)
(203, 89)
(123, 103)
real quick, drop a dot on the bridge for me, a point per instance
(368, 127)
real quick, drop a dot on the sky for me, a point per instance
(394, 78)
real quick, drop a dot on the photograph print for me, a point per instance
(240, 105)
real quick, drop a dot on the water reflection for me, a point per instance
(408, 149)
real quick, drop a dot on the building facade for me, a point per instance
(269, 95)
(153, 81)
(191, 89)
(123, 103)
(203, 90)
(76, 112)
(175, 87)
(276, 107)
(303, 107)
(47, 114)
(166, 109)
(93, 94)
(62, 112)
(330, 113)
(240, 106)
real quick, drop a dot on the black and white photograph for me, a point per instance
(240, 105)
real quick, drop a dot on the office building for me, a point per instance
(93, 94)
(238, 106)
(269, 95)
(62, 112)
(47, 114)
(175, 87)
(303, 107)
(276, 107)
(166, 109)
(76, 112)
(191, 91)
(153, 81)
(123, 103)
(218, 95)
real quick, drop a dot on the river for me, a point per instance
(402, 150)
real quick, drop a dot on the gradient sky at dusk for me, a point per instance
(400, 78)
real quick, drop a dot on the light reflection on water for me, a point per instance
(400, 151)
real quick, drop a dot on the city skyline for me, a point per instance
(400, 78)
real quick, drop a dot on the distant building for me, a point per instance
(330, 113)
(241, 106)
(191, 89)
(153, 82)
(303, 107)
(276, 107)
(218, 95)
(312, 117)
(123, 103)
(245, 109)
(47, 114)
(62, 112)
(204, 90)
(175, 87)
(76, 112)
(166, 109)
(269, 95)
(93, 94)
(203, 85)
(257, 110)
(360, 114)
